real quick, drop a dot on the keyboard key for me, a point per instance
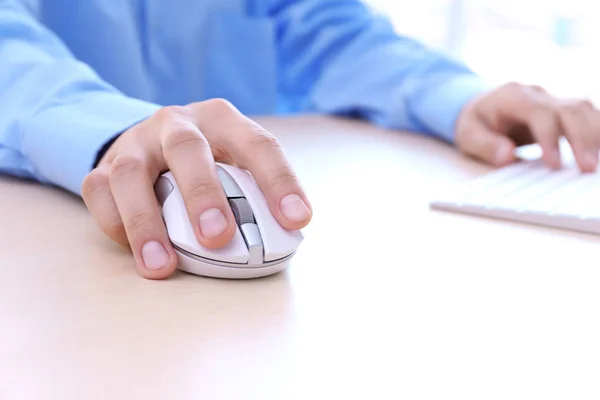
(530, 192)
(545, 185)
(569, 190)
(524, 178)
(585, 204)
(465, 192)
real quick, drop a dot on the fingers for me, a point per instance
(186, 141)
(261, 153)
(189, 157)
(251, 147)
(118, 193)
(99, 200)
(545, 128)
(132, 189)
(489, 146)
(581, 126)
(548, 119)
(536, 110)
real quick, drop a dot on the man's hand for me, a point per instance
(493, 125)
(187, 140)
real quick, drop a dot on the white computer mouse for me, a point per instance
(260, 247)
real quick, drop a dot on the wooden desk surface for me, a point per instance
(385, 299)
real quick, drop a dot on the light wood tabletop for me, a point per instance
(385, 299)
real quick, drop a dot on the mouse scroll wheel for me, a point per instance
(242, 211)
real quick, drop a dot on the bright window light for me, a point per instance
(553, 43)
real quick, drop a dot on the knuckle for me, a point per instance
(545, 116)
(139, 222)
(170, 113)
(283, 177)
(583, 104)
(219, 106)
(94, 181)
(537, 88)
(527, 93)
(115, 230)
(571, 107)
(512, 86)
(124, 165)
(184, 136)
(261, 138)
(575, 107)
(200, 189)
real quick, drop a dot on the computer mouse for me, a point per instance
(260, 246)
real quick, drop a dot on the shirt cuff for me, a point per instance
(62, 141)
(437, 108)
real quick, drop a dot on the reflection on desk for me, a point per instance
(385, 299)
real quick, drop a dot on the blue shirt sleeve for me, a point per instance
(356, 64)
(56, 112)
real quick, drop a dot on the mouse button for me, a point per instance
(182, 234)
(242, 211)
(163, 188)
(277, 241)
(235, 251)
(253, 241)
(229, 186)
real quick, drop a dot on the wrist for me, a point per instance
(442, 107)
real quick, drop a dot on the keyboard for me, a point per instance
(529, 192)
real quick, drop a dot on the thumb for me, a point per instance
(489, 146)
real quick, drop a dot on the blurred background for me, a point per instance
(553, 43)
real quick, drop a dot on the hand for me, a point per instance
(187, 140)
(493, 125)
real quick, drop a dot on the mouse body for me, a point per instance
(260, 246)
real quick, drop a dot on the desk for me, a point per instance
(385, 299)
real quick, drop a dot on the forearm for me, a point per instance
(360, 66)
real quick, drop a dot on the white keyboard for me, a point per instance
(529, 192)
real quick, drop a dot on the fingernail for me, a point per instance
(154, 255)
(293, 208)
(503, 154)
(212, 223)
(591, 159)
(555, 156)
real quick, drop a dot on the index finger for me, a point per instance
(253, 148)
(262, 154)
(538, 111)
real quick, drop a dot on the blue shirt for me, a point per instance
(75, 73)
